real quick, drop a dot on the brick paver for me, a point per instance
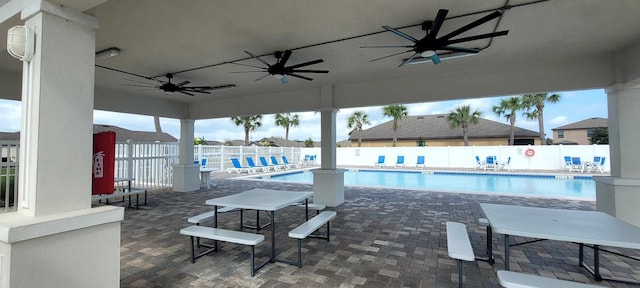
(381, 238)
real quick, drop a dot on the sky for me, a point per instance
(573, 106)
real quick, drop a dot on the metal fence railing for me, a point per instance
(220, 156)
(9, 150)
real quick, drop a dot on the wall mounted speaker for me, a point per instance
(21, 42)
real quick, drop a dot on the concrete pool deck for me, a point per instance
(381, 238)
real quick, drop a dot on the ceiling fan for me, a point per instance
(169, 87)
(430, 44)
(279, 70)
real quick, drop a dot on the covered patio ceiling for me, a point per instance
(552, 45)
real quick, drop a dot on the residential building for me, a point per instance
(578, 133)
(435, 130)
(122, 134)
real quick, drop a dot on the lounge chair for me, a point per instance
(491, 162)
(265, 163)
(256, 167)
(600, 165)
(306, 160)
(576, 164)
(291, 165)
(380, 162)
(204, 163)
(567, 162)
(479, 164)
(420, 162)
(506, 165)
(275, 163)
(238, 168)
(312, 160)
(399, 162)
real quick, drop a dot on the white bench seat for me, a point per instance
(123, 194)
(459, 246)
(217, 234)
(511, 279)
(305, 229)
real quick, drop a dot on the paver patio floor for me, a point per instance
(381, 238)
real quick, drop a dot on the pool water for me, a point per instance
(547, 185)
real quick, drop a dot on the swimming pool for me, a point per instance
(541, 185)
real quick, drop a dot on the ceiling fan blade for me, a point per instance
(136, 81)
(285, 57)
(183, 83)
(248, 65)
(435, 59)
(262, 76)
(390, 55)
(477, 37)
(283, 79)
(299, 76)
(406, 46)
(403, 35)
(471, 25)
(461, 49)
(305, 64)
(197, 87)
(408, 59)
(437, 23)
(220, 87)
(309, 71)
(247, 71)
(138, 85)
(257, 58)
(190, 94)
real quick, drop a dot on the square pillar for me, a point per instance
(186, 173)
(619, 194)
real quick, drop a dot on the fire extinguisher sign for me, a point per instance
(104, 157)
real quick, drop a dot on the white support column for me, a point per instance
(328, 182)
(186, 173)
(56, 238)
(619, 194)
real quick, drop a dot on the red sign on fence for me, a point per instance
(104, 158)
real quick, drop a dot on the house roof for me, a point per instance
(595, 122)
(137, 136)
(122, 134)
(279, 142)
(10, 136)
(432, 127)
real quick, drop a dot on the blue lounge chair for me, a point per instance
(256, 167)
(399, 162)
(312, 160)
(506, 165)
(576, 164)
(291, 165)
(266, 164)
(479, 164)
(567, 162)
(238, 168)
(275, 163)
(491, 162)
(204, 163)
(380, 162)
(420, 162)
(600, 165)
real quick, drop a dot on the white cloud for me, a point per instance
(558, 120)
(10, 112)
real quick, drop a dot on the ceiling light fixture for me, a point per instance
(428, 53)
(278, 76)
(108, 53)
(442, 56)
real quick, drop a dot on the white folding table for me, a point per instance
(582, 227)
(261, 199)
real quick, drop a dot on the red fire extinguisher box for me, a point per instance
(104, 159)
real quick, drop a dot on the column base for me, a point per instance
(73, 249)
(186, 177)
(619, 197)
(328, 186)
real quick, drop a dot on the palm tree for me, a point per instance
(397, 112)
(250, 123)
(508, 108)
(285, 121)
(156, 123)
(463, 117)
(355, 122)
(536, 102)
